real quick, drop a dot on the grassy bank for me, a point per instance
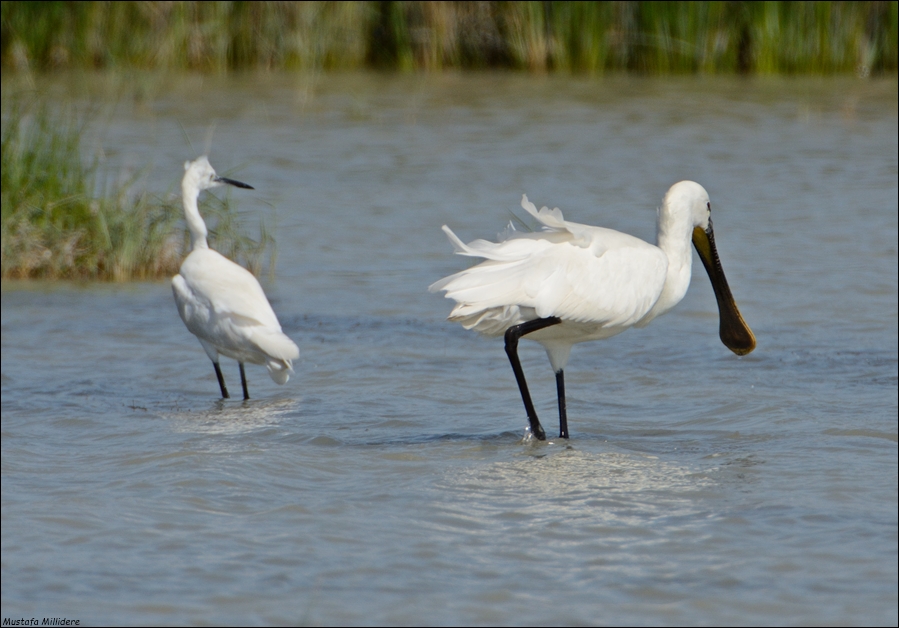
(594, 37)
(61, 220)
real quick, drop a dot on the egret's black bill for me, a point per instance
(236, 184)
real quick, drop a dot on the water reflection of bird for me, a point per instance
(221, 302)
(570, 283)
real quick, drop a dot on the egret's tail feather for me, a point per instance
(275, 344)
(280, 370)
(282, 352)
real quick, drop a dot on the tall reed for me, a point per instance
(55, 224)
(593, 37)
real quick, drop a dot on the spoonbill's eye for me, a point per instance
(709, 205)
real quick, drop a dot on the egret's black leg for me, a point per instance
(563, 410)
(218, 373)
(512, 335)
(243, 381)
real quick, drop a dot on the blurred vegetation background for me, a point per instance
(590, 37)
(63, 218)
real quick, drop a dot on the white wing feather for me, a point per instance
(223, 304)
(579, 273)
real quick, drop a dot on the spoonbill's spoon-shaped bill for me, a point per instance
(571, 283)
(222, 303)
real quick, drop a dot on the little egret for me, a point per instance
(571, 283)
(221, 302)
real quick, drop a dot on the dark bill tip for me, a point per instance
(735, 333)
(237, 184)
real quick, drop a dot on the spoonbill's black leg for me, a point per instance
(243, 382)
(563, 411)
(512, 335)
(218, 373)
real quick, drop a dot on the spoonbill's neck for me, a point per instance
(192, 216)
(674, 238)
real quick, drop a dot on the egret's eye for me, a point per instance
(709, 205)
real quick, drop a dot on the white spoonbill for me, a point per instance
(221, 302)
(572, 283)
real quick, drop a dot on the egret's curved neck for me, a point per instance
(192, 216)
(674, 240)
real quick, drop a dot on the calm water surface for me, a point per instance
(388, 481)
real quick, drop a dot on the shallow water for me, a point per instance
(388, 482)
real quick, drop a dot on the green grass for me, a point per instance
(589, 37)
(62, 220)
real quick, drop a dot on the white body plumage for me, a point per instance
(221, 302)
(571, 283)
(600, 282)
(223, 305)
